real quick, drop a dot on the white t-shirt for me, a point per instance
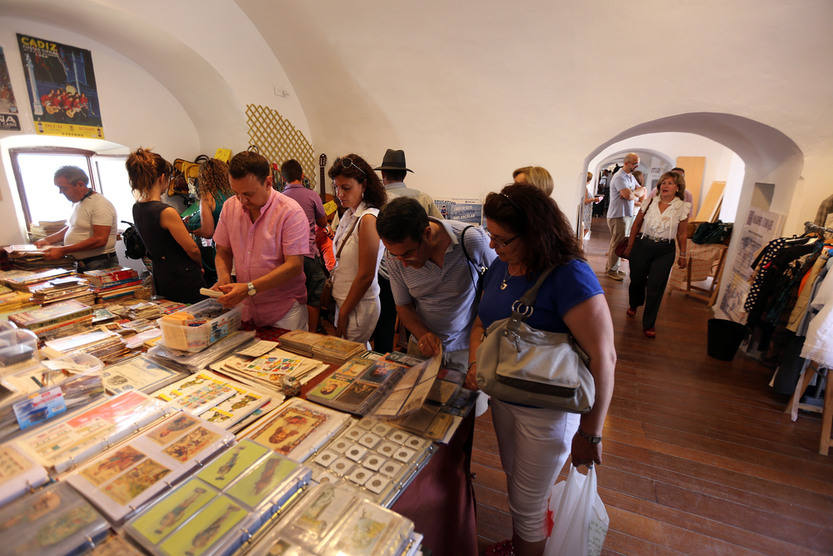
(95, 210)
(663, 225)
(347, 265)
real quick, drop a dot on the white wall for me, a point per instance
(136, 111)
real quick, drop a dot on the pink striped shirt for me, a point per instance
(259, 247)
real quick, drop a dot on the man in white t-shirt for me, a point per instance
(624, 190)
(90, 237)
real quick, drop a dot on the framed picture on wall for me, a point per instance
(9, 120)
(62, 89)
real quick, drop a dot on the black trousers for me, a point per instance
(650, 263)
(383, 334)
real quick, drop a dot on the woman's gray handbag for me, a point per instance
(520, 364)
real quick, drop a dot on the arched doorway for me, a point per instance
(770, 157)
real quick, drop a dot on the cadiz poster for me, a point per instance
(9, 119)
(62, 90)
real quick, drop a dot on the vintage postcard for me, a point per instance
(329, 389)
(167, 514)
(191, 444)
(365, 530)
(262, 480)
(416, 397)
(354, 367)
(289, 428)
(207, 527)
(170, 429)
(12, 463)
(324, 508)
(223, 470)
(393, 403)
(104, 469)
(136, 481)
(357, 394)
(381, 370)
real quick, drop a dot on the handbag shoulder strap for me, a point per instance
(522, 308)
(481, 269)
(644, 214)
(347, 236)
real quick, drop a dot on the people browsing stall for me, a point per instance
(90, 237)
(531, 236)
(264, 236)
(651, 248)
(310, 201)
(394, 170)
(433, 277)
(356, 244)
(175, 258)
(624, 190)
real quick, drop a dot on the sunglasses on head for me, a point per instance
(348, 162)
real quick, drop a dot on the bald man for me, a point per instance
(624, 190)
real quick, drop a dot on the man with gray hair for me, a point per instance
(624, 190)
(90, 237)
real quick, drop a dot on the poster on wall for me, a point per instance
(759, 228)
(62, 90)
(462, 210)
(9, 120)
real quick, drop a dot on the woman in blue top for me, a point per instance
(530, 234)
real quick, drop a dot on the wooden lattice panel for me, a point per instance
(278, 140)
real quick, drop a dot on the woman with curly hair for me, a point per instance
(213, 188)
(177, 274)
(356, 244)
(531, 236)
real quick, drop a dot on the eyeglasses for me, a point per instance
(499, 243)
(347, 163)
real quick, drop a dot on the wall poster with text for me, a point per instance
(9, 119)
(62, 90)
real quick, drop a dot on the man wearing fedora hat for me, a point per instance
(394, 170)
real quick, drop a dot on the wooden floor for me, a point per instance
(699, 457)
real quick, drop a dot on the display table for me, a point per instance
(440, 499)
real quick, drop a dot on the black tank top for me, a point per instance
(175, 275)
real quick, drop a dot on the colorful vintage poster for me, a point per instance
(223, 470)
(206, 528)
(191, 444)
(62, 89)
(290, 428)
(136, 481)
(9, 119)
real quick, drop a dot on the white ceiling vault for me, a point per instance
(472, 90)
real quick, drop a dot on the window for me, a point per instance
(114, 184)
(34, 170)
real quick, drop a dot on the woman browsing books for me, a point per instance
(356, 243)
(531, 235)
(177, 268)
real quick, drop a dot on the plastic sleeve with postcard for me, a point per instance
(53, 521)
(222, 506)
(123, 479)
(76, 438)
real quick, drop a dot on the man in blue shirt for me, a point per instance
(434, 285)
(624, 190)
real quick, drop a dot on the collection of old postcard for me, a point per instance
(295, 446)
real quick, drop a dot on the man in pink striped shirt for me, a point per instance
(264, 235)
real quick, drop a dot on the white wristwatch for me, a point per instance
(252, 289)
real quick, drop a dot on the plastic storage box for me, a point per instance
(218, 323)
(17, 346)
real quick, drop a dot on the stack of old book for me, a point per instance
(56, 320)
(326, 348)
(113, 283)
(105, 345)
(46, 228)
(29, 257)
(62, 289)
(11, 300)
(24, 281)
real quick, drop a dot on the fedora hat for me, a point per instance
(394, 160)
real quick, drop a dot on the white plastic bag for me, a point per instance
(580, 517)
